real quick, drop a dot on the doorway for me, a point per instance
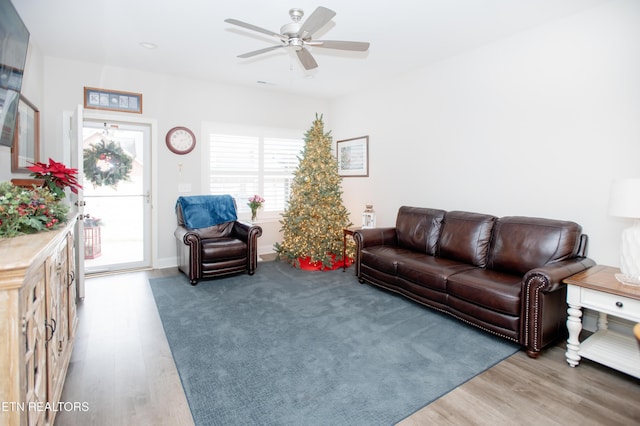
(117, 190)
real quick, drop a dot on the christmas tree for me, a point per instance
(313, 222)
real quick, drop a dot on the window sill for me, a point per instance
(261, 220)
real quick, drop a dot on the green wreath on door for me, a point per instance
(106, 164)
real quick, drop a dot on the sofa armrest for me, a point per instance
(544, 308)
(187, 243)
(246, 231)
(374, 237)
(549, 277)
(249, 233)
(185, 236)
(370, 237)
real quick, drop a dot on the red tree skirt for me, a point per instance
(307, 265)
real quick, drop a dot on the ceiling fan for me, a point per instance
(298, 35)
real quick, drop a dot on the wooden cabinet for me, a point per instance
(37, 324)
(35, 358)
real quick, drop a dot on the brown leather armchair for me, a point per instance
(220, 249)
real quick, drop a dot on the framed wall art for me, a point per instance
(353, 157)
(112, 100)
(26, 138)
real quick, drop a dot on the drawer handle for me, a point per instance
(619, 304)
(52, 327)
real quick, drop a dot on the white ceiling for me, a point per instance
(194, 41)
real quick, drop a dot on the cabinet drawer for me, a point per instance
(611, 304)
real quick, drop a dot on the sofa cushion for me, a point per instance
(465, 237)
(223, 248)
(496, 291)
(428, 271)
(419, 228)
(384, 258)
(520, 244)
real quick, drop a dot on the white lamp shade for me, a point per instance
(625, 202)
(625, 198)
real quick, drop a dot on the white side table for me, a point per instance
(597, 288)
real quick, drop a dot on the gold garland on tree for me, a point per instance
(106, 164)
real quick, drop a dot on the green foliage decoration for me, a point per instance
(106, 164)
(27, 211)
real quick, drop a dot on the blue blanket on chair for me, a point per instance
(201, 211)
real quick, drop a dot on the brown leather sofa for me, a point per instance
(218, 250)
(503, 275)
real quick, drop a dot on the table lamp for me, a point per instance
(625, 202)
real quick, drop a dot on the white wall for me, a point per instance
(171, 101)
(537, 124)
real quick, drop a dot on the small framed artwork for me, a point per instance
(112, 100)
(26, 138)
(353, 157)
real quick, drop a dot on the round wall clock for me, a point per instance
(180, 140)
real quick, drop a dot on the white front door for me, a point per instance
(117, 190)
(74, 132)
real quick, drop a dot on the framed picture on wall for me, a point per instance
(26, 138)
(353, 157)
(112, 100)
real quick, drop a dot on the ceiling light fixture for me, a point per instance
(148, 45)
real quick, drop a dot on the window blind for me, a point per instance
(246, 165)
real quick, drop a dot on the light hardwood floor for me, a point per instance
(123, 369)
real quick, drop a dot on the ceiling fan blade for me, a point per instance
(357, 46)
(258, 52)
(254, 28)
(318, 19)
(306, 59)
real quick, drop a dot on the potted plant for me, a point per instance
(56, 177)
(255, 202)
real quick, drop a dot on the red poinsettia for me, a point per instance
(57, 177)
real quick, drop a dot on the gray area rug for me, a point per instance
(292, 347)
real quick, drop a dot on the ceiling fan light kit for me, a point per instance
(297, 36)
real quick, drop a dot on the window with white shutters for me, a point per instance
(246, 165)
